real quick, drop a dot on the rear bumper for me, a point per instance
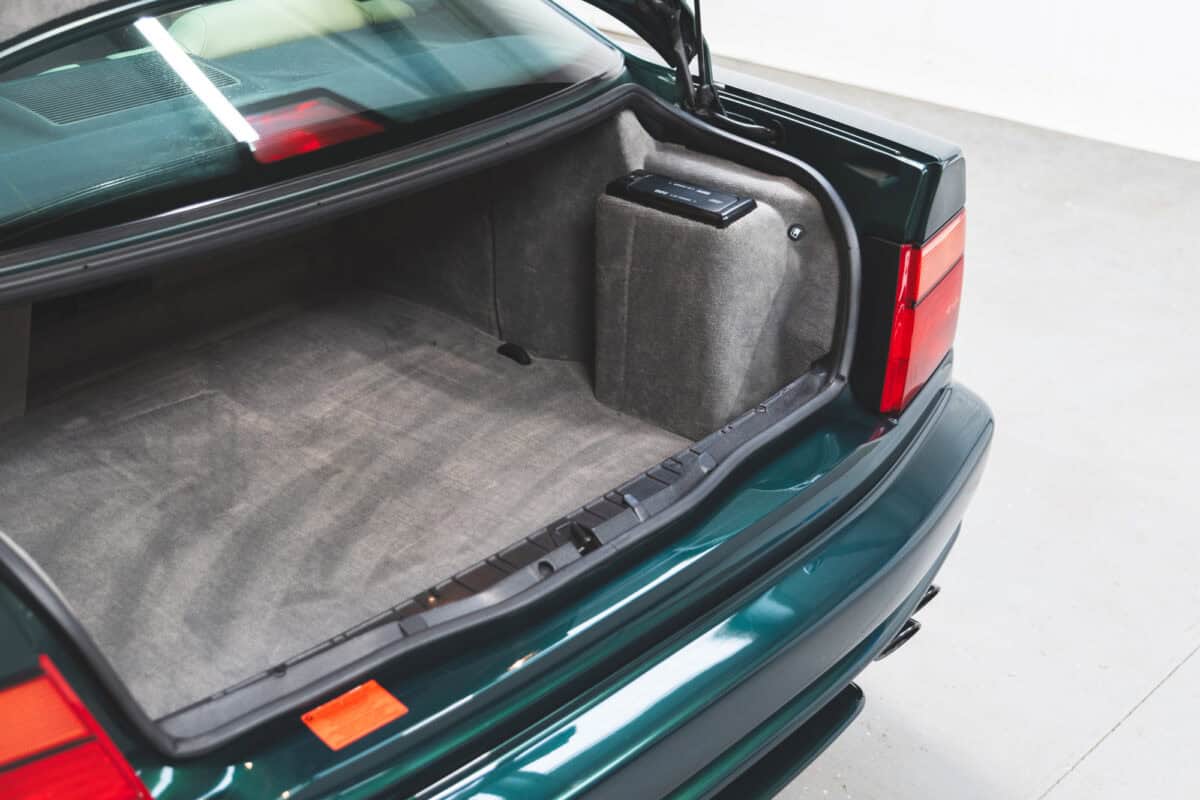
(725, 694)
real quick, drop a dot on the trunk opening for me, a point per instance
(228, 462)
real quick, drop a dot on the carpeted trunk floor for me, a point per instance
(220, 507)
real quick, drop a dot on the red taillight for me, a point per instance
(306, 127)
(52, 747)
(926, 312)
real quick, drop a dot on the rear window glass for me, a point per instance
(210, 99)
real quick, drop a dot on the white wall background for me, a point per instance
(1123, 72)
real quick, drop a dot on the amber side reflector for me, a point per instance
(348, 718)
(52, 747)
(35, 719)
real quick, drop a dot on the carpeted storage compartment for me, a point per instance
(230, 460)
(750, 306)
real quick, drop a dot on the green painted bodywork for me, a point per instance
(555, 704)
(462, 702)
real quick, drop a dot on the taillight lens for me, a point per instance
(51, 747)
(306, 127)
(928, 291)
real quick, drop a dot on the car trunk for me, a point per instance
(226, 462)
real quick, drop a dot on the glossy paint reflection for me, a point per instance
(469, 692)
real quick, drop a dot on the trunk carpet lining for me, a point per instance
(216, 509)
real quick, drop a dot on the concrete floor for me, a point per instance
(1060, 661)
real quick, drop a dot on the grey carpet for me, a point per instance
(687, 325)
(221, 507)
(750, 310)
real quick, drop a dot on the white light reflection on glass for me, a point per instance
(179, 61)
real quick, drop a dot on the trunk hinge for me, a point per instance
(700, 97)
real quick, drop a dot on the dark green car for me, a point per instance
(429, 398)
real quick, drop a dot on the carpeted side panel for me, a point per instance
(434, 248)
(544, 215)
(697, 324)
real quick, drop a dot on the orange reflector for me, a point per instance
(348, 718)
(35, 719)
(52, 748)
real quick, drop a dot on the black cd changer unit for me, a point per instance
(683, 199)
